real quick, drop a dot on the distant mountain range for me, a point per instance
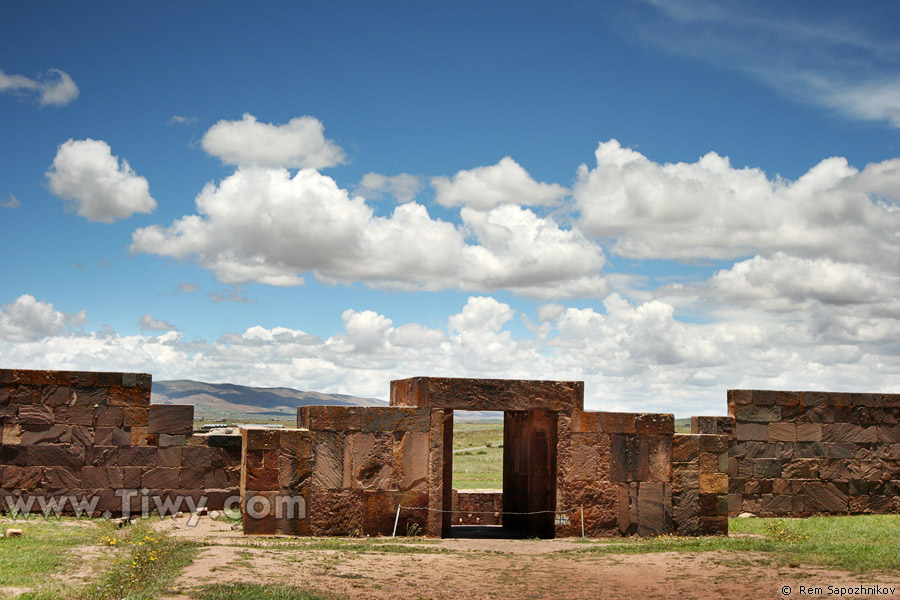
(227, 398)
(222, 400)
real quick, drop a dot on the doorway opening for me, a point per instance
(518, 499)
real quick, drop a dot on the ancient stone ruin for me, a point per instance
(67, 436)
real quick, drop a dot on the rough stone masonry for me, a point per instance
(346, 470)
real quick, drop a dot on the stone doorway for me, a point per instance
(530, 441)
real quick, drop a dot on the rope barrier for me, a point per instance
(487, 512)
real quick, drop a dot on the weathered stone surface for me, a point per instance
(654, 424)
(328, 461)
(822, 497)
(197, 456)
(758, 414)
(22, 478)
(173, 419)
(411, 461)
(335, 512)
(56, 455)
(112, 436)
(138, 456)
(134, 416)
(685, 448)
(782, 432)
(391, 419)
(260, 439)
(713, 483)
(654, 509)
(331, 418)
(35, 414)
(746, 431)
(618, 422)
(48, 434)
(488, 394)
(368, 459)
(107, 416)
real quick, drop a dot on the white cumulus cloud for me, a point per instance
(267, 226)
(484, 188)
(27, 319)
(56, 88)
(299, 143)
(102, 187)
(709, 209)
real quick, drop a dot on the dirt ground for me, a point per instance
(499, 569)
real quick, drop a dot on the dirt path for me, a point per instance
(498, 569)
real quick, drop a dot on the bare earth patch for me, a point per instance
(498, 569)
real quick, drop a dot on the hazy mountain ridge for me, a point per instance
(228, 397)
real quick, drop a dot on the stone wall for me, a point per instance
(700, 484)
(477, 507)
(352, 467)
(83, 435)
(814, 453)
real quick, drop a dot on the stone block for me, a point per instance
(61, 478)
(488, 394)
(809, 432)
(197, 456)
(389, 419)
(713, 483)
(56, 455)
(586, 422)
(128, 397)
(12, 434)
(260, 479)
(767, 468)
(810, 450)
(260, 439)
(685, 448)
(94, 396)
(141, 437)
(170, 456)
(713, 525)
(174, 419)
(800, 468)
(888, 434)
(747, 431)
(101, 456)
(258, 514)
(167, 441)
(782, 432)
(192, 478)
(849, 432)
(331, 418)
(74, 415)
(47, 434)
(625, 464)
(369, 458)
(654, 509)
(55, 395)
(35, 414)
(328, 460)
(757, 414)
(82, 435)
(112, 436)
(21, 478)
(134, 416)
(145, 456)
(611, 422)
(655, 424)
(228, 457)
(410, 461)
(656, 450)
(108, 416)
(335, 512)
(825, 497)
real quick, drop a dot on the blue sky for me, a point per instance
(665, 200)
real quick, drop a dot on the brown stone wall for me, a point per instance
(352, 467)
(814, 453)
(477, 507)
(700, 484)
(72, 434)
(618, 466)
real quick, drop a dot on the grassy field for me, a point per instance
(477, 456)
(90, 560)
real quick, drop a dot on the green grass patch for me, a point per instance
(129, 564)
(482, 466)
(858, 543)
(254, 591)
(45, 550)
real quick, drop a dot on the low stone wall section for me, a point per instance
(68, 434)
(797, 454)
